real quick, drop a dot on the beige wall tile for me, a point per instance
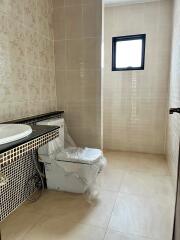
(91, 26)
(92, 53)
(30, 13)
(174, 100)
(137, 100)
(16, 10)
(4, 5)
(60, 55)
(75, 54)
(73, 22)
(59, 23)
(78, 65)
(58, 3)
(72, 2)
(98, 3)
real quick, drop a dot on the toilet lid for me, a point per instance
(80, 155)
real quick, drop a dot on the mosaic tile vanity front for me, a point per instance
(18, 166)
(14, 154)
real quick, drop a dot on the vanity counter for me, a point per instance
(37, 131)
(14, 151)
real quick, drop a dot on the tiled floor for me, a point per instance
(135, 203)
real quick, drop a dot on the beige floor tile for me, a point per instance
(117, 160)
(144, 216)
(100, 212)
(149, 163)
(147, 185)
(15, 226)
(56, 229)
(132, 205)
(154, 164)
(75, 207)
(66, 206)
(114, 235)
(111, 179)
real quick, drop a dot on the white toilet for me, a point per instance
(69, 168)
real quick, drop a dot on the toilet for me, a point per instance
(68, 167)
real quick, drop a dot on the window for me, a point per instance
(128, 52)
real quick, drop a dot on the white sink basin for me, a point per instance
(13, 132)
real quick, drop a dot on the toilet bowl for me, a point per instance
(67, 167)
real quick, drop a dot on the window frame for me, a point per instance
(127, 38)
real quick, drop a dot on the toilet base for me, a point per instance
(75, 178)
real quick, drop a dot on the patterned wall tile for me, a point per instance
(26, 45)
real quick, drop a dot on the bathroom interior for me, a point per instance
(90, 124)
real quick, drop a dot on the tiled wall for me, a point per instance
(27, 83)
(135, 102)
(174, 101)
(77, 31)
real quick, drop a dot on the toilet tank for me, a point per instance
(57, 144)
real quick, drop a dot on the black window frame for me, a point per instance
(127, 38)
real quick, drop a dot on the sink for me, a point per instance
(13, 132)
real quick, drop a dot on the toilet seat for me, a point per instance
(80, 155)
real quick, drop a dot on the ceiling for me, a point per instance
(119, 2)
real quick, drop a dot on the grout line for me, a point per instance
(106, 232)
(126, 171)
(110, 217)
(77, 38)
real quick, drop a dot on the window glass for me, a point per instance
(128, 53)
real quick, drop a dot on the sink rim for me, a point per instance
(26, 131)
